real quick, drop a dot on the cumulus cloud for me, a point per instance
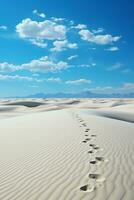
(7, 67)
(63, 45)
(43, 64)
(39, 14)
(72, 57)
(2, 27)
(89, 36)
(112, 49)
(38, 32)
(38, 42)
(79, 81)
(57, 31)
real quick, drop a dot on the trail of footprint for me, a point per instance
(97, 179)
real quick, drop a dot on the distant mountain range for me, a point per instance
(86, 94)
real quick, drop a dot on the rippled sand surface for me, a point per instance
(67, 149)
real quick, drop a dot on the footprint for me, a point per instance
(97, 177)
(96, 147)
(84, 124)
(101, 159)
(92, 145)
(87, 139)
(93, 135)
(87, 188)
(90, 151)
(93, 162)
(84, 141)
(86, 134)
(87, 130)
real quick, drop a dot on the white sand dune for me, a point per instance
(67, 149)
(115, 114)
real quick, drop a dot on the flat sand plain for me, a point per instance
(67, 149)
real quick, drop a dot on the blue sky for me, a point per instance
(66, 46)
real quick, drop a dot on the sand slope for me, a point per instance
(66, 154)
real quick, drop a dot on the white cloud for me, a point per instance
(7, 67)
(39, 14)
(37, 32)
(80, 26)
(55, 19)
(43, 64)
(93, 48)
(52, 79)
(72, 57)
(56, 29)
(2, 27)
(115, 67)
(97, 39)
(63, 45)
(87, 65)
(38, 42)
(93, 64)
(79, 81)
(17, 77)
(99, 30)
(112, 49)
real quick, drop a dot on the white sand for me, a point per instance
(45, 153)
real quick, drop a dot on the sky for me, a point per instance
(66, 46)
